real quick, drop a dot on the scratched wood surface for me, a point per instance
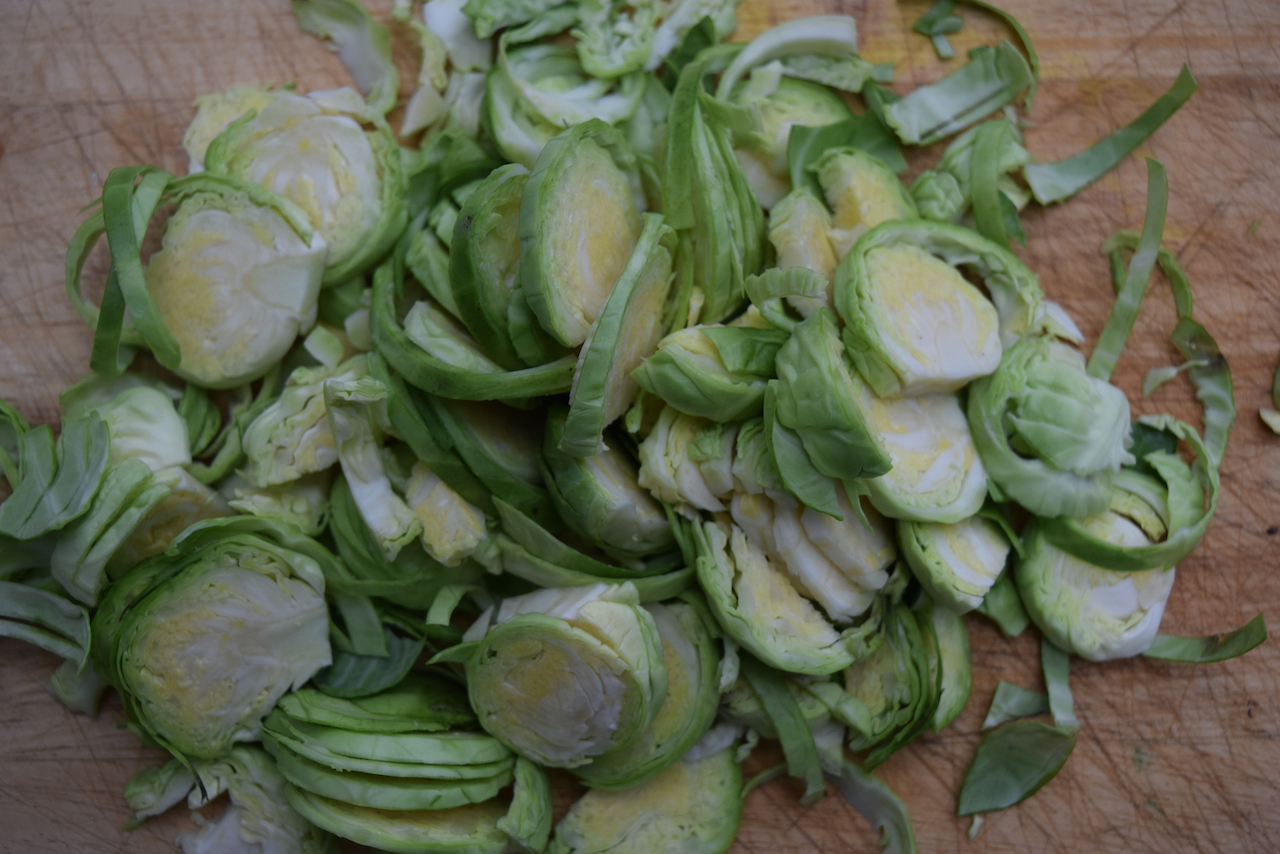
(1170, 757)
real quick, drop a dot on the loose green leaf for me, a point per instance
(355, 675)
(1128, 301)
(1056, 664)
(1011, 765)
(992, 78)
(984, 171)
(793, 730)
(1210, 648)
(46, 620)
(1053, 182)
(363, 45)
(806, 145)
(701, 35)
(1003, 606)
(57, 483)
(870, 796)
(1012, 702)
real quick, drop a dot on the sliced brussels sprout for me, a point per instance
(452, 527)
(690, 654)
(292, 437)
(951, 666)
(627, 330)
(759, 607)
(956, 564)
(564, 675)
(518, 131)
(611, 43)
(902, 277)
(693, 807)
(782, 102)
(715, 372)
(937, 475)
(833, 36)
(520, 561)
(202, 640)
(668, 468)
(188, 501)
(706, 194)
(646, 130)
(682, 24)
(601, 499)
(484, 260)
(896, 685)
(303, 502)
(233, 284)
(754, 468)
(467, 51)
(916, 325)
(142, 421)
(1097, 614)
(863, 192)
(838, 564)
(470, 829)
(742, 705)
(800, 230)
(818, 399)
(363, 45)
(1050, 435)
(214, 113)
(334, 157)
(579, 224)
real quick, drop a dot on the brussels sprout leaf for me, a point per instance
(793, 730)
(1210, 648)
(363, 45)
(1056, 664)
(1053, 182)
(1011, 765)
(1012, 702)
(879, 805)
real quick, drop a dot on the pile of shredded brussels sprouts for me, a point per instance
(623, 410)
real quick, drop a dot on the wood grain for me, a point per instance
(1170, 758)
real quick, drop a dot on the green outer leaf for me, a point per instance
(453, 748)
(1026, 45)
(528, 819)
(48, 498)
(45, 619)
(1069, 535)
(80, 690)
(122, 227)
(12, 427)
(1129, 300)
(793, 730)
(519, 561)
(363, 45)
(1003, 606)
(415, 421)
(984, 166)
(810, 486)
(954, 660)
(353, 675)
(816, 397)
(380, 792)
(806, 145)
(537, 540)
(870, 796)
(79, 560)
(932, 20)
(823, 35)
(476, 271)
(419, 703)
(1012, 702)
(992, 78)
(1011, 764)
(1057, 671)
(701, 35)
(600, 382)
(106, 357)
(1211, 647)
(436, 377)
(1053, 182)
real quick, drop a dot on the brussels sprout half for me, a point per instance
(714, 372)
(564, 675)
(956, 564)
(693, 807)
(579, 224)
(335, 158)
(915, 325)
(1098, 614)
(936, 474)
(863, 192)
(627, 330)
(601, 499)
(202, 640)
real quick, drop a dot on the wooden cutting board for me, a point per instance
(1170, 757)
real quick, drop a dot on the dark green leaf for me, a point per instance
(1211, 648)
(1012, 702)
(701, 35)
(1003, 606)
(1012, 225)
(1011, 765)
